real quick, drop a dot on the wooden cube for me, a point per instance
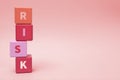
(24, 32)
(24, 64)
(23, 15)
(18, 49)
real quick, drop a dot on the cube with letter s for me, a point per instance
(18, 49)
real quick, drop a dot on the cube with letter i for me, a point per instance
(24, 32)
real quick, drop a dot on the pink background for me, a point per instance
(73, 39)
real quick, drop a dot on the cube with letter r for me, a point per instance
(23, 15)
(18, 49)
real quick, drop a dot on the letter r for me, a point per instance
(22, 15)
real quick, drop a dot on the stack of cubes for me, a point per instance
(24, 33)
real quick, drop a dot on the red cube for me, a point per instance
(24, 32)
(24, 64)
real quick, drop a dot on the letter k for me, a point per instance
(22, 65)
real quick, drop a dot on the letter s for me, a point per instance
(17, 47)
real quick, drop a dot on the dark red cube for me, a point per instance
(24, 32)
(24, 64)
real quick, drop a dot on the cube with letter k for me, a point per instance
(24, 64)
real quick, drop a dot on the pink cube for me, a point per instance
(18, 49)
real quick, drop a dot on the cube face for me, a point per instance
(24, 64)
(24, 32)
(23, 15)
(18, 49)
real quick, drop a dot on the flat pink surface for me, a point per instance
(73, 39)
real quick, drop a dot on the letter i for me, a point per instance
(24, 32)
